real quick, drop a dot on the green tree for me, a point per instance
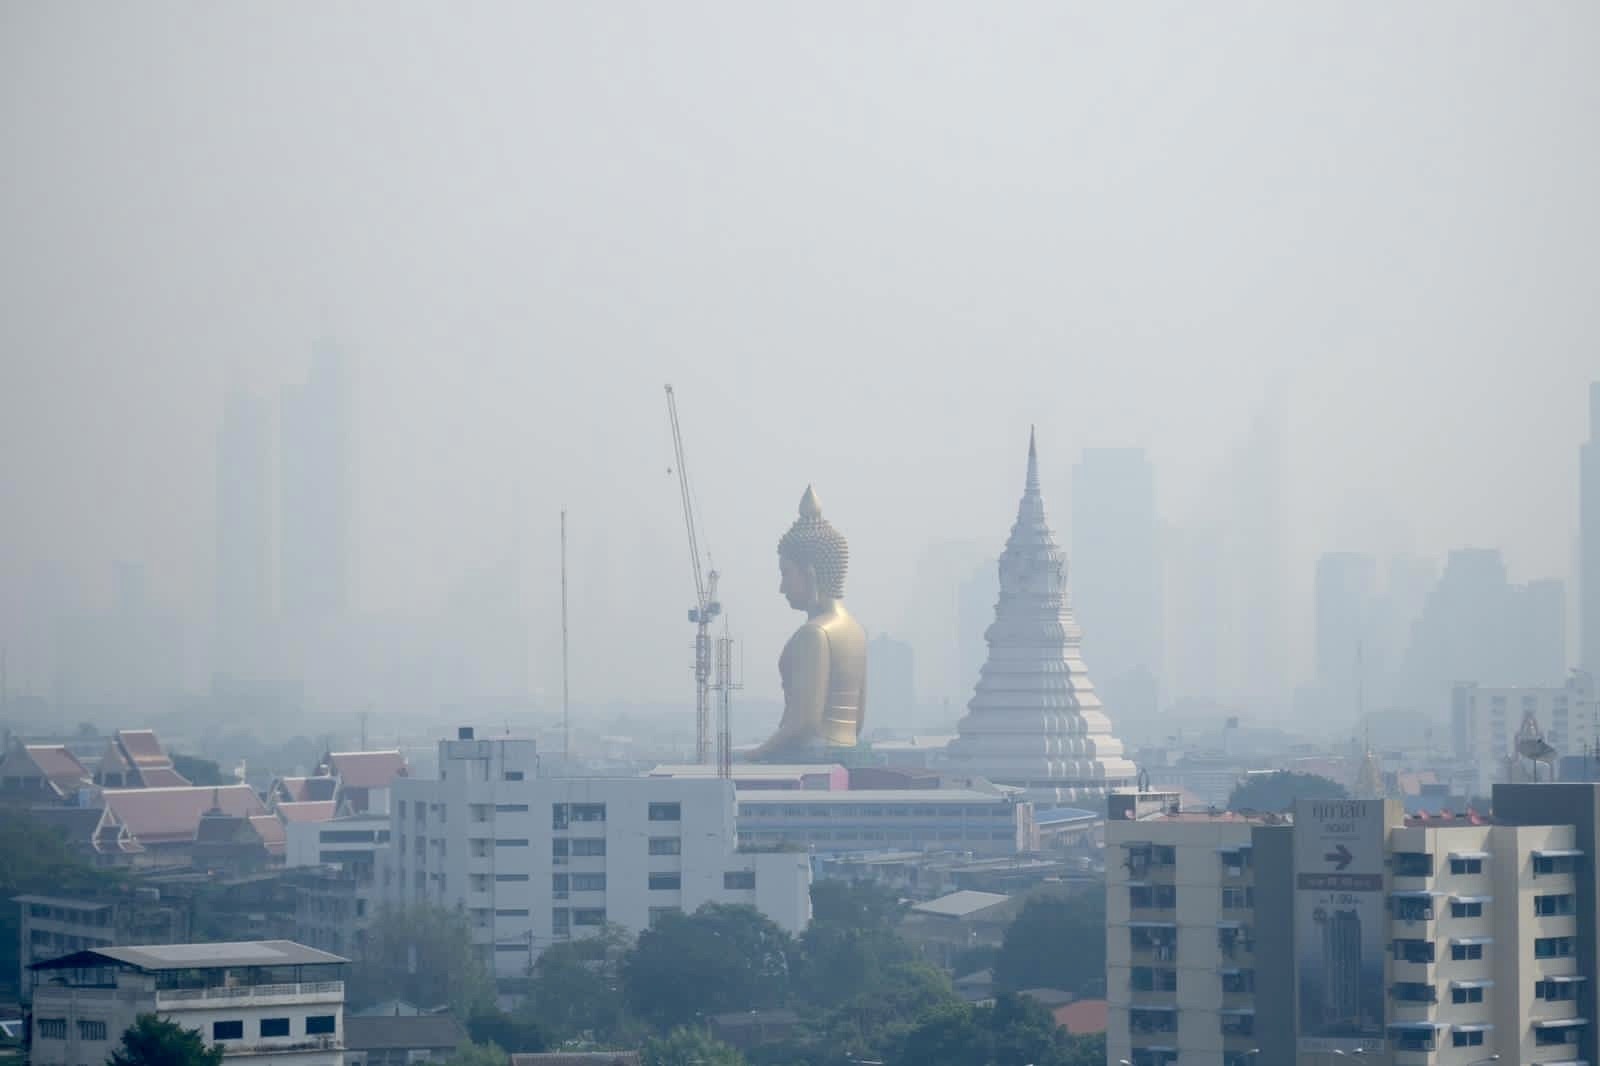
(468, 1053)
(199, 771)
(838, 963)
(1056, 942)
(872, 1024)
(1277, 791)
(687, 1046)
(723, 957)
(1016, 1031)
(36, 859)
(151, 1041)
(855, 904)
(514, 1033)
(423, 955)
(576, 989)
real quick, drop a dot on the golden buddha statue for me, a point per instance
(824, 665)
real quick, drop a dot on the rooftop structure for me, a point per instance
(261, 1001)
(1034, 720)
(134, 758)
(41, 773)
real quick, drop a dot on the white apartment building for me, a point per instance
(1180, 939)
(1397, 941)
(351, 842)
(1485, 721)
(537, 860)
(271, 1001)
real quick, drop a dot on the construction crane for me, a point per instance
(706, 606)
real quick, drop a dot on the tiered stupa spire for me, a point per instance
(1034, 720)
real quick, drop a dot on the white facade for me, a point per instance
(983, 823)
(350, 841)
(79, 1015)
(1034, 720)
(1485, 722)
(1180, 966)
(534, 861)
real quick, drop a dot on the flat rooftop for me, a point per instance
(876, 795)
(156, 957)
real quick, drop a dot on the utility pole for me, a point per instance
(566, 711)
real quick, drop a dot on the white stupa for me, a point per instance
(1034, 720)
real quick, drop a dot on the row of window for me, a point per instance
(1165, 979)
(749, 809)
(315, 1025)
(1423, 951)
(1165, 897)
(1421, 909)
(915, 834)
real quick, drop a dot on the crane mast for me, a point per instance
(706, 607)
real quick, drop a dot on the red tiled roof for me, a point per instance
(143, 747)
(162, 777)
(171, 815)
(1087, 1016)
(307, 811)
(270, 830)
(367, 769)
(59, 765)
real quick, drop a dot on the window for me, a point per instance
(1466, 908)
(1467, 1038)
(91, 1030)
(1238, 899)
(1546, 906)
(589, 846)
(1164, 855)
(402, 808)
(739, 879)
(665, 882)
(274, 1026)
(320, 1024)
(658, 913)
(1466, 866)
(512, 912)
(1237, 983)
(559, 850)
(1414, 992)
(558, 886)
(507, 877)
(52, 1028)
(560, 921)
(1158, 897)
(478, 812)
(1555, 990)
(1413, 950)
(1464, 952)
(1413, 864)
(1555, 864)
(666, 812)
(511, 842)
(1414, 909)
(512, 775)
(1466, 995)
(511, 808)
(560, 815)
(1555, 1035)
(233, 1030)
(1553, 947)
(1154, 979)
(479, 882)
(588, 882)
(665, 846)
(589, 916)
(588, 812)
(478, 847)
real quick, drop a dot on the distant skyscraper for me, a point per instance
(315, 488)
(1346, 588)
(1035, 721)
(1116, 578)
(244, 534)
(891, 682)
(1589, 540)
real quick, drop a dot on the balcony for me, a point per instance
(254, 995)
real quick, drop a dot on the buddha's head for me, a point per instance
(812, 558)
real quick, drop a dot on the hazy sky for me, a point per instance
(869, 244)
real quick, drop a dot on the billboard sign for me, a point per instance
(1340, 924)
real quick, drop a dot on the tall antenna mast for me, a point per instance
(566, 713)
(706, 607)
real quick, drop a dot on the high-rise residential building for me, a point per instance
(244, 535)
(540, 860)
(1116, 585)
(315, 483)
(1035, 721)
(891, 681)
(1353, 932)
(1485, 721)
(1346, 590)
(1589, 539)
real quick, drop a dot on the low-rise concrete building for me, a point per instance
(261, 1001)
